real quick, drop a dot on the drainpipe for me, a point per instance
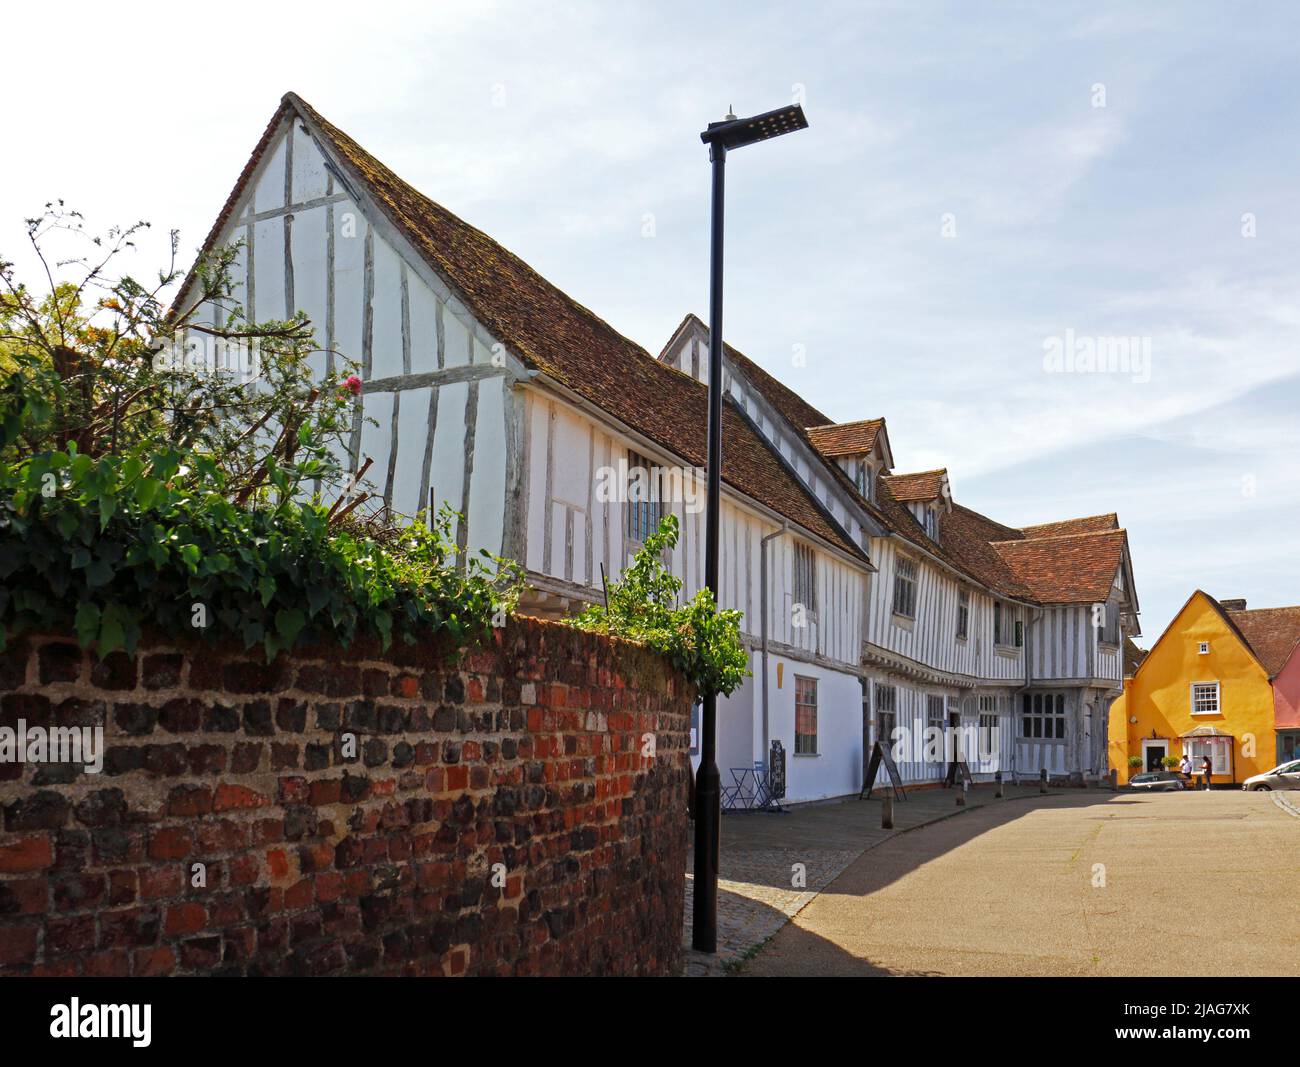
(762, 607)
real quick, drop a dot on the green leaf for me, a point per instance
(289, 623)
(111, 634)
(86, 622)
(146, 492)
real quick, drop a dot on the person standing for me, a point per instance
(1206, 770)
(1185, 767)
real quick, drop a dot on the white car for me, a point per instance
(1283, 776)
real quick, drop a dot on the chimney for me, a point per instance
(1233, 605)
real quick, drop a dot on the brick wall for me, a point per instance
(521, 763)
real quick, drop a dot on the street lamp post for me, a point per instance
(721, 137)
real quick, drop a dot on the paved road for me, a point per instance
(758, 890)
(1079, 884)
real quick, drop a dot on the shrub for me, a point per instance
(138, 492)
(643, 605)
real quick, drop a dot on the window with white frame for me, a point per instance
(989, 726)
(905, 587)
(934, 717)
(932, 524)
(1042, 716)
(805, 716)
(1205, 698)
(886, 712)
(644, 508)
(1008, 630)
(963, 615)
(1204, 648)
(1217, 748)
(805, 577)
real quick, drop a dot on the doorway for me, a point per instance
(1153, 754)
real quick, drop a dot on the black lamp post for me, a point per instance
(721, 137)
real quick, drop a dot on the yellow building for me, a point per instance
(1201, 690)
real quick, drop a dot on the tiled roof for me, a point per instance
(1069, 569)
(1087, 524)
(969, 538)
(845, 438)
(1272, 634)
(923, 485)
(553, 333)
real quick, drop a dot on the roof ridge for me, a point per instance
(844, 425)
(913, 474)
(1062, 537)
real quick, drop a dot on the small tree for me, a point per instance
(98, 365)
(644, 605)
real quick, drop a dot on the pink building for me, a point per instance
(1274, 634)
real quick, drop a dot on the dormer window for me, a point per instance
(932, 524)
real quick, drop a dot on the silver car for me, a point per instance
(1283, 776)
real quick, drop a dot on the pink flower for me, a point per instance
(353, 385)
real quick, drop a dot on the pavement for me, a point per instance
(1074, 883)
(773, 864)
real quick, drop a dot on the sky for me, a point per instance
(986, 194)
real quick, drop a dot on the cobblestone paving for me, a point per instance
(758, 887)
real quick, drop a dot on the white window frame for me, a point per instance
(1048, 711)
(804, 584)
(643, 515)
(1193, 700)
(1219, 749)
(937, 704)
(990, 730)
(810, 682)
(886, 698)
(907, 609)
(1203, 649)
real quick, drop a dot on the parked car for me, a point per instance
(1158, 781)
(1283, 776)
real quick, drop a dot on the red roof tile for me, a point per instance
(1069, 569)
(845, 438)
(923, 485)
(1087, 524)
(1272, 634)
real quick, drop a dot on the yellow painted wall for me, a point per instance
(1159, 694)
